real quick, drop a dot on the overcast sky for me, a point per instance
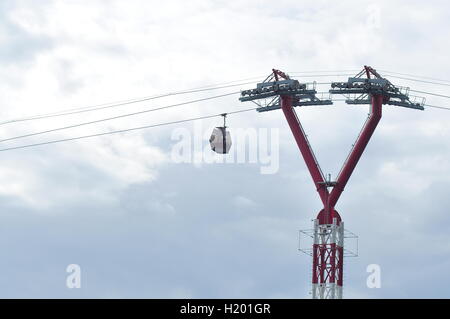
(141, 225)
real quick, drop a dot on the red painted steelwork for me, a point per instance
(329, 200)
(328, 266)
(358, 149)
(328, 257)
(305, 149)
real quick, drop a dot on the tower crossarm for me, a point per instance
(280, 84)
(360, 89)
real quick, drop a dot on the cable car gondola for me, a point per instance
(220, 139)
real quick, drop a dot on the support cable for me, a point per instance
(123, 130)
(116, 117)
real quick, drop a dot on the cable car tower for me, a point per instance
(367, 87)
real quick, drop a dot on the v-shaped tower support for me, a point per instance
(367, 87)
(328, 245)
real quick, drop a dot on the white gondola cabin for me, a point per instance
(220, 140)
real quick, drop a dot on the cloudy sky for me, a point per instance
(140, 224)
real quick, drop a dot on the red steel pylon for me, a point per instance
(328, 235)
(328, 246)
